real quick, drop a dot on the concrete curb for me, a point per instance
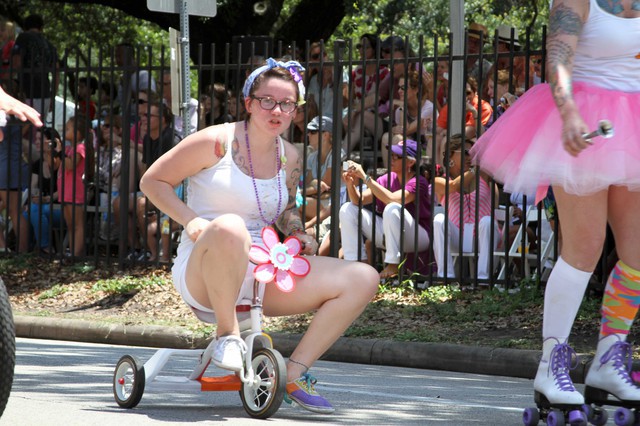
(434, 356)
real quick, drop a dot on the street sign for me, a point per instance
(194, 7)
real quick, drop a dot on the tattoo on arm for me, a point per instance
(564, 24)
(564, 20)
(560, 56)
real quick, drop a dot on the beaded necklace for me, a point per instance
(253, 178)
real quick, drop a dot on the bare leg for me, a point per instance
(338, 290)
(217, 267)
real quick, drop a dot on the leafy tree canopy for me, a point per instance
(74, 26)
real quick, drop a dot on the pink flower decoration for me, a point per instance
(280, 262)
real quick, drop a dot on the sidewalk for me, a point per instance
(433, 356)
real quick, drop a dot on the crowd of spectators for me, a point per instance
(387, 103)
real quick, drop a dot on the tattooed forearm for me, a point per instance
(560, 57)
(290, 221)
(612, 6)
(564, 20)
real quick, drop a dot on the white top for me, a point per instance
(607, 51)
(224, 188)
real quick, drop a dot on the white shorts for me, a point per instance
(179, 273)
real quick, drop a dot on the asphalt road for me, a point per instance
(70, 383)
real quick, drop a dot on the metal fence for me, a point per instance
(219, 83)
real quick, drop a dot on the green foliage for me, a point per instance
(54, 291)
(76, 28)
(126, 284)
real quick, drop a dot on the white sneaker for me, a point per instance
(609, 370)
(229, 353)
(553, 379)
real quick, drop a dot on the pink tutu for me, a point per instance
(523, 149)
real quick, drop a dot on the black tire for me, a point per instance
(7, 347)
(128, 381)
(263, 401)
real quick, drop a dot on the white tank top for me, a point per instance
(608, 52)
(224, 188)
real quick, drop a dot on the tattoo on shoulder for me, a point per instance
(614, 7)
(564, 20)
(220, 148)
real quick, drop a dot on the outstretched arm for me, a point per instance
(566, 22)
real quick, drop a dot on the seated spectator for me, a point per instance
(41, 214)
(156, 125)
(192, 108)
(318, 175)
(390, 190)
(414, 109)
(320, 82)
(107, 99)
(498, 93)
(471, 113)
(442, 77)
(365, 83)
(236, 107)
(304, 114)
(477, 36)
(109, 158)
(87, 87)
(467, 189)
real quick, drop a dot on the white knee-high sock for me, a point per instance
(562, 299)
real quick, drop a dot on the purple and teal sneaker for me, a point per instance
(303, 392)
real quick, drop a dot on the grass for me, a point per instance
(445, 314)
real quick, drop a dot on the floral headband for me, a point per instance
(293, 67)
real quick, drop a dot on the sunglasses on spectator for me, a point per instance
(469, 92)
(142, 101)
(106, 125)
(268, 104)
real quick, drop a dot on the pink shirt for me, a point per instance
(469, 204)
(73, 189)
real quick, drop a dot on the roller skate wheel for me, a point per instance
(555, 418)
(577, 418)
(597, 416)
(530, 417)
(623, 417)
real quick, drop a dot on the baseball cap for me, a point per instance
(327, 124)
(409, 145)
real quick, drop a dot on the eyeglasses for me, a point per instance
(469, 92)
(269, 104)
(142, 101)
(403, 87)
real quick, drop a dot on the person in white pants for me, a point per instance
(391, 190)
(466, 188)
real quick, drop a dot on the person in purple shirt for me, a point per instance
(400, 189)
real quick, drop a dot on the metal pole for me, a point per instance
(456, 22)
(186, 75)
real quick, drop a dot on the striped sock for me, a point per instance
(621, 300)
